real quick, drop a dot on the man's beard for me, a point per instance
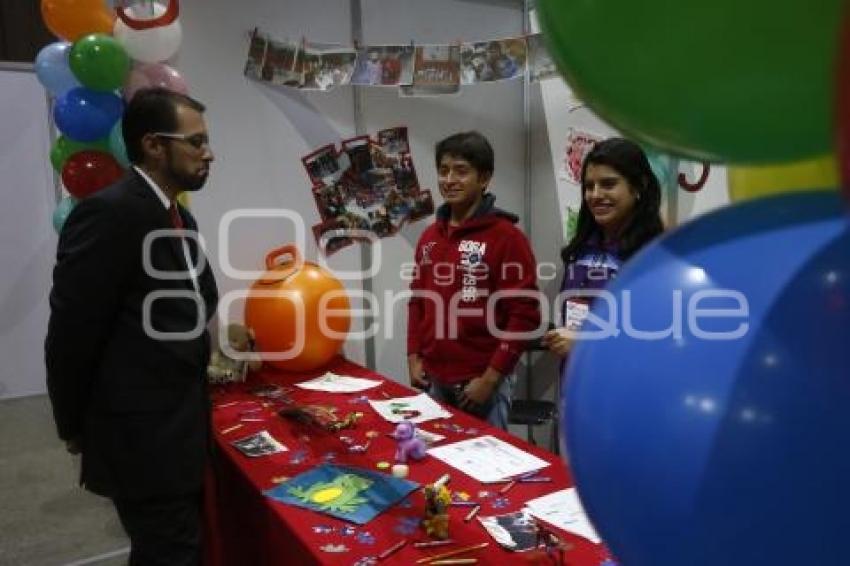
(185, 181)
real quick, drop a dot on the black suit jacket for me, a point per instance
(136, 402)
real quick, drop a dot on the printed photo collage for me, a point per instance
(417, 70)
(369, 184)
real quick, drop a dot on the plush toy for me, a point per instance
(408, 444)
(222, 368)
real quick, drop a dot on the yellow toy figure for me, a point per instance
(224, 369)
(436, 521)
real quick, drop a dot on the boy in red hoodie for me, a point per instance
(474, 304)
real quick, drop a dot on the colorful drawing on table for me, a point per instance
(405, 410)
(514, 531)
(352, 494)
(259, 444)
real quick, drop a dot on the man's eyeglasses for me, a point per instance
(198, 141)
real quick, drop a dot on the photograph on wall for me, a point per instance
(578, 144)
(384, 65)
(489, 61)
(324, 166)
(330, 236)
(436, 70)
(327, 66)
(283, 63)
(256, 55)
(393, 141)
(541, 65)
(369, 184)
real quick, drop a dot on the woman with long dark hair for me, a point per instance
(621, 200)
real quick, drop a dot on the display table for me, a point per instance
(247, 528)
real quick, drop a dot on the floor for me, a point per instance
(46, 518)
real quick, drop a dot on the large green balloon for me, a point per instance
(726, 80)
(99, 62)
(63, 148)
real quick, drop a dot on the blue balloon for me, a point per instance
(87, 115)
(724, 442)
(63, 209)
(53, 70)
(117, 147)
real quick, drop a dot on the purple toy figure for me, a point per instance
(408, 444)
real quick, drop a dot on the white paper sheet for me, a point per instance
(334, 383)
(563, 509)
(487, 458)
(417, 409)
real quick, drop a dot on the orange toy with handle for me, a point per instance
(299, 312)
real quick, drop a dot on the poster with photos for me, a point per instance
(369, 185)
(436, 70)
(541, 65)
(490, 61)
(327, 66)
(283, 63)
(384, 65)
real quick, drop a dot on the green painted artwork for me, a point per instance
(342, 494)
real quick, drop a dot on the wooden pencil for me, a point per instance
(453, 552)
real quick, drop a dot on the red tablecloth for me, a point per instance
(247, 528)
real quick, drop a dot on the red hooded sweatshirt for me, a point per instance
(458, 271)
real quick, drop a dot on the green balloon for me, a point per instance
(99, 62)
(63, 148)
(729, 80)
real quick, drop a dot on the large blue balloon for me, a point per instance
(693, 450)
(53, 70)
(87, 115)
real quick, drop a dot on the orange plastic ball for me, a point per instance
(299, 312)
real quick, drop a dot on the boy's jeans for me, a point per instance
(495, 411)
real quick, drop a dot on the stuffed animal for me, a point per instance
(224, 369)
(408, 444)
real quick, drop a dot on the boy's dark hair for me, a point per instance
(152, 110)
(629, 160)
(471, 146)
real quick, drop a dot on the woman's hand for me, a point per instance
(559, 341)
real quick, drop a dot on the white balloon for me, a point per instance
(149, 45)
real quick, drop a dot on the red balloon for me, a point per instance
(87, 172)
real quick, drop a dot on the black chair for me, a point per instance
(532, 412)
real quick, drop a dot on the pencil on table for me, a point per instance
(507, 487)
(232, 428)
(392, 549)
(472, 514)
(432, 543)
(453, 552)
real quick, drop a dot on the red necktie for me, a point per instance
(176, 221)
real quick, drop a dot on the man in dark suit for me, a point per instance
(127, 345)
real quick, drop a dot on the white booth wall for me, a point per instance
(260, 132)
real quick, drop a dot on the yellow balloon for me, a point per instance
(183, 198)
(810, 175)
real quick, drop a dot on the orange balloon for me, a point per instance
(72, 19)
(299, 312)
